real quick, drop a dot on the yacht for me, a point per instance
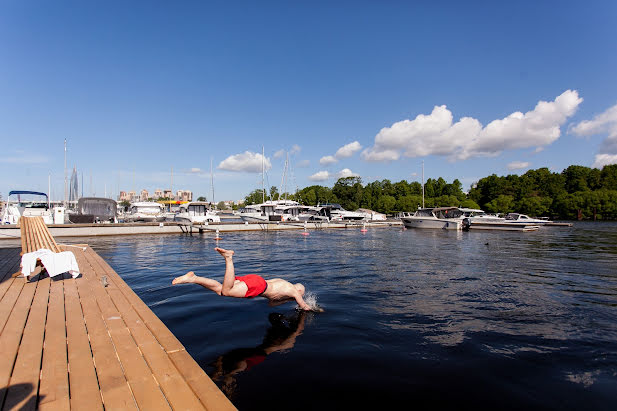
(271, 210)
(338, 213)
(524, 219)
(448, 218)
(512, 222)
(27, 204)
(196, 212)
(320, 214)
(147, 211)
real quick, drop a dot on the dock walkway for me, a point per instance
(91, 343)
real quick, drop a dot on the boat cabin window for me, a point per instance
(197, 210)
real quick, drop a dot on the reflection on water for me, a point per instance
(502, 319)
(280, 337)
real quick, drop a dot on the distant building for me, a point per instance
(167, 194)
(158, 193)
(123, 196)
(184, 195)
(143, 196)
(74, 186)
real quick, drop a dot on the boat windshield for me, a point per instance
(28, 199)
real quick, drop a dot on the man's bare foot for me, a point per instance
(225, 253)
(184, 279)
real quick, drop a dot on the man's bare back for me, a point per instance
(275, 290)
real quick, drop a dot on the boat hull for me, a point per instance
(504, 226)
(432, 223)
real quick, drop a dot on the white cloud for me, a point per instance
(320, 176)
(295, 149)
(279, 153)
(346, 173)
(602, 123)
(436, 134)
(325, 175)
(303, 164)
(604, 160)
(605, 122)
(327, 160)
(248, 162)
(518, 165)
(195, 170)
(348, 150)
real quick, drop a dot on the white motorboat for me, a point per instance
(271, 210)
(27, 204)
(447, 218)
(525, 219)
(146, 211)
(338, 213)
(512, 222)
(196, 212)
(320, 214)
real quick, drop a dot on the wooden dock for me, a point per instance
(80, 344)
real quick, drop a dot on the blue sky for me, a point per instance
(346, 88)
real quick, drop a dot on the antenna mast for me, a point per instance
(65, 198)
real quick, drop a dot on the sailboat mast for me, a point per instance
(422, 183)
(211, 180)
(65, 187)
(263, 189)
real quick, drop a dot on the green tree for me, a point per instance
(274, 193)
(469, 203)
(501, 204)
(348, 191)
(255, 197)
(386, 204)
(221, 205)
(201, 198)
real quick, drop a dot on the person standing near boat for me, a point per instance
(248, 286)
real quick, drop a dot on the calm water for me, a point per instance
(423, 317)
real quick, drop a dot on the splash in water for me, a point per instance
(311, 300)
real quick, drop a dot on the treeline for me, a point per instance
(576, 192)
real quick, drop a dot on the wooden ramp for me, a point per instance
(91, 344)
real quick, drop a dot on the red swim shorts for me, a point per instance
(255, 283)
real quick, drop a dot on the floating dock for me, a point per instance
(8, 232)
(91, 343)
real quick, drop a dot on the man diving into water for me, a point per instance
(248, 286)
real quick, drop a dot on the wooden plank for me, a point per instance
(198, 381)
(154, 323)
(12, 333)
(38, 234)
(8, 301)
(23, 236)
(7, 261)
(10, 266)
(141, 380)
(24, 383)
(54, 386)
(177, 391)
(83, 384)
(207, 391)
(114, 386)
(46, 237)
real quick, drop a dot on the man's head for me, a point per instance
(300, 288)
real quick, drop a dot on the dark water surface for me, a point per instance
(425, 318)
